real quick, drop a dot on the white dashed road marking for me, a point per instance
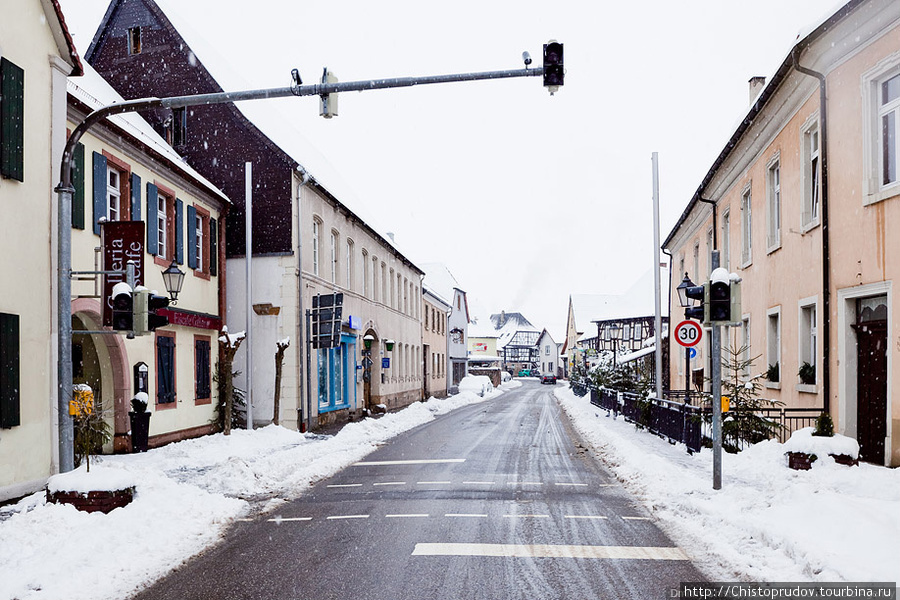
(404, 516)
(344, 485)
(551, 551)
(465, 515)
(433, 482)
(348, 517)
(435, 461)
(583, 517)
(527, 516)
(636, 518)
(573, 484)
(391, 483)
(289, 519)
(478, 483)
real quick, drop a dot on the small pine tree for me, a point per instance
(824, 426)
(741, 424)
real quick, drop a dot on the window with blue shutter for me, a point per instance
(192, 236)
(78, 183)
(152, 225)
(213, 248)
(179, 231)
(9, 371)
(165, 369)
(12, 120)
(136, 198)
(99, 192)
(202, 369)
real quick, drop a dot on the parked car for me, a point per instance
(548, 378)
(477, 384)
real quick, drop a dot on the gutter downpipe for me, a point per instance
(715, 207)
(826, 247)
(303, 419)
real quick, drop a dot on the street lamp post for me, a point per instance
(615, 332)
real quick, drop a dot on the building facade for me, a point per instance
(434, 344)
(36, 57)
(804, 197)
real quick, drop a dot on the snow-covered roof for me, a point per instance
(637, 301)
(440, 281)
(95, 92)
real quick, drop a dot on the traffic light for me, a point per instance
(154, 303)
(720, 302)
(328, 103)
(697, 292)
(141, 296)
(554, 70)
(122, 312)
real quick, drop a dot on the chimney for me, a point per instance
(756, 85)
(390, 234)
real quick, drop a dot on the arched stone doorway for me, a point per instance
(101, 361)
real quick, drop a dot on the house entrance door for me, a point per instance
(871, 382)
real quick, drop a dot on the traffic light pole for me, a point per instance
(65, 192)
(716, 368)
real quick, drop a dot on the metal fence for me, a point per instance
(686, 418)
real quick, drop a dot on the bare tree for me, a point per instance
(228, 345)
(279, 359)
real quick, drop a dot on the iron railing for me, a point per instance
(689, 422)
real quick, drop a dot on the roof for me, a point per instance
(94, 92)
(440, 281)
(62, 36)
(638, 301)
(784, 70)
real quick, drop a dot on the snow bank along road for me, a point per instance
(494, 500)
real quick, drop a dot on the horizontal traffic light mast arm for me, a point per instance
(318, 89)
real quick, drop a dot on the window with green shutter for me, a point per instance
(9, 371)
(78, 183)
(12, 120)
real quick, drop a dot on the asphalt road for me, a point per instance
(496, 501)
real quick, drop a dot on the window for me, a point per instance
(811, 177)
(111, 178)
(709, 250)
(334, 256)
(773, 202)
(349, 265)
(746, 228)
(178, 127)
(161, 225)
(773, 345)
(889, 117)
(315, 246)
(164, 233)
(365, 273)
(12, 120)
(336, 369)
(198, 239)
(745, 345)
(696, 259)
(393, 300)
(405, 295)
(384, 284)
(165, 368)
(134, 40)
(881, 114)
(546, 350)
(9, 371)
(726, 240)
(113, 194)
(808, 344)
(202, 386)
(426, 318)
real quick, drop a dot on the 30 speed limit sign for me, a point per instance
(688, 333)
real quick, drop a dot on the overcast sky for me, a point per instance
(527, 198)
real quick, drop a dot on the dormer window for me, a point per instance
(134, 40)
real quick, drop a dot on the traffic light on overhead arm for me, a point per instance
(554, 69)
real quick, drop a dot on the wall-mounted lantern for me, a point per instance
(389, 345)
(367, 341)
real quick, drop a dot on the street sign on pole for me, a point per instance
(688, 333)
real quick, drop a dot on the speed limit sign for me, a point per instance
(688, 333)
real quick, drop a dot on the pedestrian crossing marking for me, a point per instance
(551, 551)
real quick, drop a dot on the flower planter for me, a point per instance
(104, 501)
(803, 447)
(801, 461)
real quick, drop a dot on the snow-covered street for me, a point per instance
(768, 523)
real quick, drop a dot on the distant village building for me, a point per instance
(440, 280)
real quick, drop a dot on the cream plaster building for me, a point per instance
(804, 199)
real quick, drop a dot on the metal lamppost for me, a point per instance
(615, 333)
(687, 303)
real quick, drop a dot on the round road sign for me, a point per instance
(688, 333)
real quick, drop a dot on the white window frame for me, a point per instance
(807, 338)
(697, 260)
(773, 344)
(315, 246)
(709, 251)
(334, 256)
(365, 273)
(113, 193)
(198, 224)
(773, 204)
(162, 220)
(726, 240)
(810, 146)
(349, 264)
(746, 343)
(747, 226)
(873, 112)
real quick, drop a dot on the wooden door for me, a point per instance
(871, 390)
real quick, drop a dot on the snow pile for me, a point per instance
(803, 440)
(186, 495)
(768, 522)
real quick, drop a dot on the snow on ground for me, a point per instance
(186, 495)
(768, 522)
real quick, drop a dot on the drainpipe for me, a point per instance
(826, 251)
(715, 207)
(302, 425)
